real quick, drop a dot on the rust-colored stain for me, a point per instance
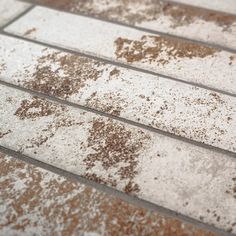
(159, 49)
(115, 147)
(104, 103)
(70, 75)
(52, 205)
(148, 10)
(37, 107)
(30, 31)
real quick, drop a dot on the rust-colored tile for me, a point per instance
(37, 202)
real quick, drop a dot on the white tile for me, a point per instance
(10, 9)
(184, 110)
(180, 176)
(179, 59)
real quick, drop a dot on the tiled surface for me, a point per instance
(183, 175)
(168, 56)
(157, 102)
(37, 202)
(185, 21)
(188, 179)
(219, 5)
(10, 9)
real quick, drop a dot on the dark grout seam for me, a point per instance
(139, 28)
(116, 63)
(114, 192)
(120, 119)
(17, 17)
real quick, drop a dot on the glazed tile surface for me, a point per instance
(154, 101)
(181, 20)
(179, 59)
(180, 176)
(152, 116)
(10, 9)
(38, 202)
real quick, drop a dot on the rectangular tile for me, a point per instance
(38, 202)
(169, 56)
(218, 5)
(185, 21)
(180, 176)
(10, 9)
(184, 110)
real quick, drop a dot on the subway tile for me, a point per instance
(169, 56)
(185, 21)
(9, 9)
(218, 5)
(186, 178)
(38, 202)
(184, 110)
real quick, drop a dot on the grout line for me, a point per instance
(139, 28)
(17, 17)
(116, 63)
(114, 192)
(120, 119)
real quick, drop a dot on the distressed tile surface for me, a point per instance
(219, 5)
(181, 109)
(10, 9)
(169, 56)
(34, 201)
(180, 176)
(185, 21)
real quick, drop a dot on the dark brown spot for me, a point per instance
(114, 146)
(30, 31)
(62, 75)
(2, 134)
(159, 49)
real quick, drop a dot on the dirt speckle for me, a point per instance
(115, 147)
(30, 31)
(62, 75)
(159, 49)
(36, 108)
(114, 72)
(2, 134)
(232, 188)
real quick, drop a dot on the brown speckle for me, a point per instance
(2, 134)
(71, 74)
(115, 147)
(159, 49)
(30, 31)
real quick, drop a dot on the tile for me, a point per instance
(218, 5)
(169, 56)
(186, 21)
(191, 180)
(184, 110)
(38, 202)
(10, 9)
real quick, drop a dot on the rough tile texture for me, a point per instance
(180, 59)
(10, 9)
(191, 180)
(219, 5)
(185, 21)
(147, 99)
(34, 201)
